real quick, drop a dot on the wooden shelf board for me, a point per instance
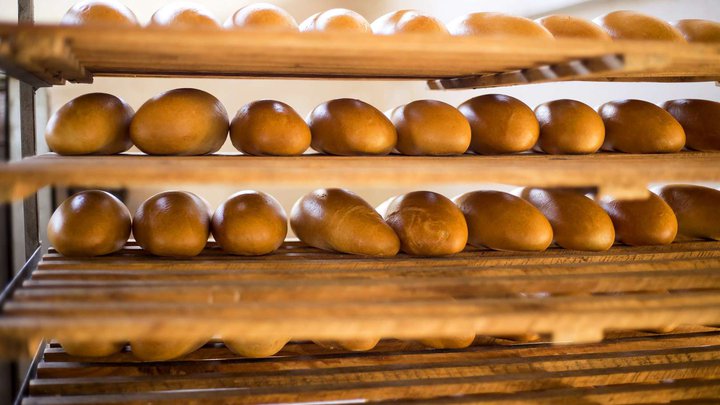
(55, 54)
(625, 368)
(622, 175)
(310, 294)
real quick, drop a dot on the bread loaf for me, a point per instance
(502, 221)
(459, 342)
(339, 220)
(497, 25)
(184, 15)
(632, 25)
(89, 223)
(255, 348)
(162, 350)
(569, 127)
(100, 13)
(643, 222)
(500, 124)
(696, 210)
(91, 348)
(353, 345)
(636, 126)
(172, 223)
(566, 26)
(92, 124)
(180, 122)
(699, 120)
(351, 127)
(429, 127)
(578, 223)
(268, 127)
(699, 30)
(336, 20)
(427, 223)
(249, 223)
(408, 22)
(262, 16)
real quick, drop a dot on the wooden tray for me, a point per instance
(305, 293)
(617, 174)
(48, 55)
(625, 368)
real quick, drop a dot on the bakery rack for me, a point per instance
(655, 306)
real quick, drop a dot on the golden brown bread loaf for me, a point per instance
(569, 127)
(427, 223)
(497, 25)
(268, 127)
(696, 208)
(636, 126)
(626, 24)
(645, 222)
(255, 348)
(353, 345)
(336, 20)
(430, 127)
(459, 342)
(262, 16)
(700, 119)
(249, 223)
(502, 221)
(408, 21)
(89, 223)
(100, 13)
(184, 15)
(578, 223)
(500, 124)
(566, 26)
(347, 126)
(91, 348)
(172, 223)
(337, 219)
(699, 30)
(92, 124)
(162, 350)
(180, 122)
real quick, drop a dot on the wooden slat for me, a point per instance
(624, 175)
(635, 368)
(304, 293)
(158, 52)
(596, 367)
(300, 356)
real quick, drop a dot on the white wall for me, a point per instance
(303, 95)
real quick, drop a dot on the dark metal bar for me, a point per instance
(26, 14)
(6, 258)
(32, 370)
(26, 11)
(20, 276)
(27, 130)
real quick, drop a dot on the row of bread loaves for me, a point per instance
(157, 350)
(421, 223)
(263, 16)
(193, 122)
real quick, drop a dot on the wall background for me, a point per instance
(304, 95)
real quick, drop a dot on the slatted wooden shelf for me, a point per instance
(621, 175)
(48, 55)
(635, 367)
(304, 293)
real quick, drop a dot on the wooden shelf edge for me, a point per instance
(55, 54)
(622, 175)
(568, 295)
